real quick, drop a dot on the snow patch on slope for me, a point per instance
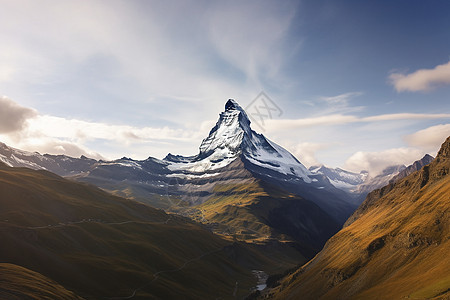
(5, 160)
(128, 163)
(210, 163)
(281, 161)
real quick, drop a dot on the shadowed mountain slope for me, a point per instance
(18, 283)
(105, 247)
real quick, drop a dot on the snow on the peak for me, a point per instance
(223, 144)
(281, 161)
(16, 161)
(229, 131)
(231, 137)
(342, 184)
(203, 165)
(315, 169)
(339, 175)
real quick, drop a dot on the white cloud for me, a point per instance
(429, 138)
(290, 124)
(339, 119)
(13, 116)
(424, 141)
(85, 131)
(376, 162)
(306, 152)
(56, 146)
(137, 142)
(421, 80)
(25, 129)
(404, 116)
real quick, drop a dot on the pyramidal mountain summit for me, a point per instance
(232, 137)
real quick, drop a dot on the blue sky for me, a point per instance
(361, 84)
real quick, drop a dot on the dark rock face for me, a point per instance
(444, 152)
(417, 165)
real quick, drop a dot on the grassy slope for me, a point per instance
(395, 246)
(229, 207)
(239, 207)
(18, 283)
(100, 257)
(257, 212)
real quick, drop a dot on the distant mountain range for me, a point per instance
(358, 185)
(240, 184)
(342, 179)
(150, 178)
(396, 245)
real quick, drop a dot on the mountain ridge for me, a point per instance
(395, 245)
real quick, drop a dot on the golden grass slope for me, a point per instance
(395, 246)
(260, 213)
(18, 283)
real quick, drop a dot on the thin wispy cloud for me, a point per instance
(422, 80)
(342, 103)
(404, 116)
(342, 99)
(250, 37)
(339, 119)
(82, 130)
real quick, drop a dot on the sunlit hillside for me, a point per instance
(395, 246)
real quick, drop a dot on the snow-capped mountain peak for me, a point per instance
(232, 137)
(233, 105)
(341, 179)
(227, 135)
